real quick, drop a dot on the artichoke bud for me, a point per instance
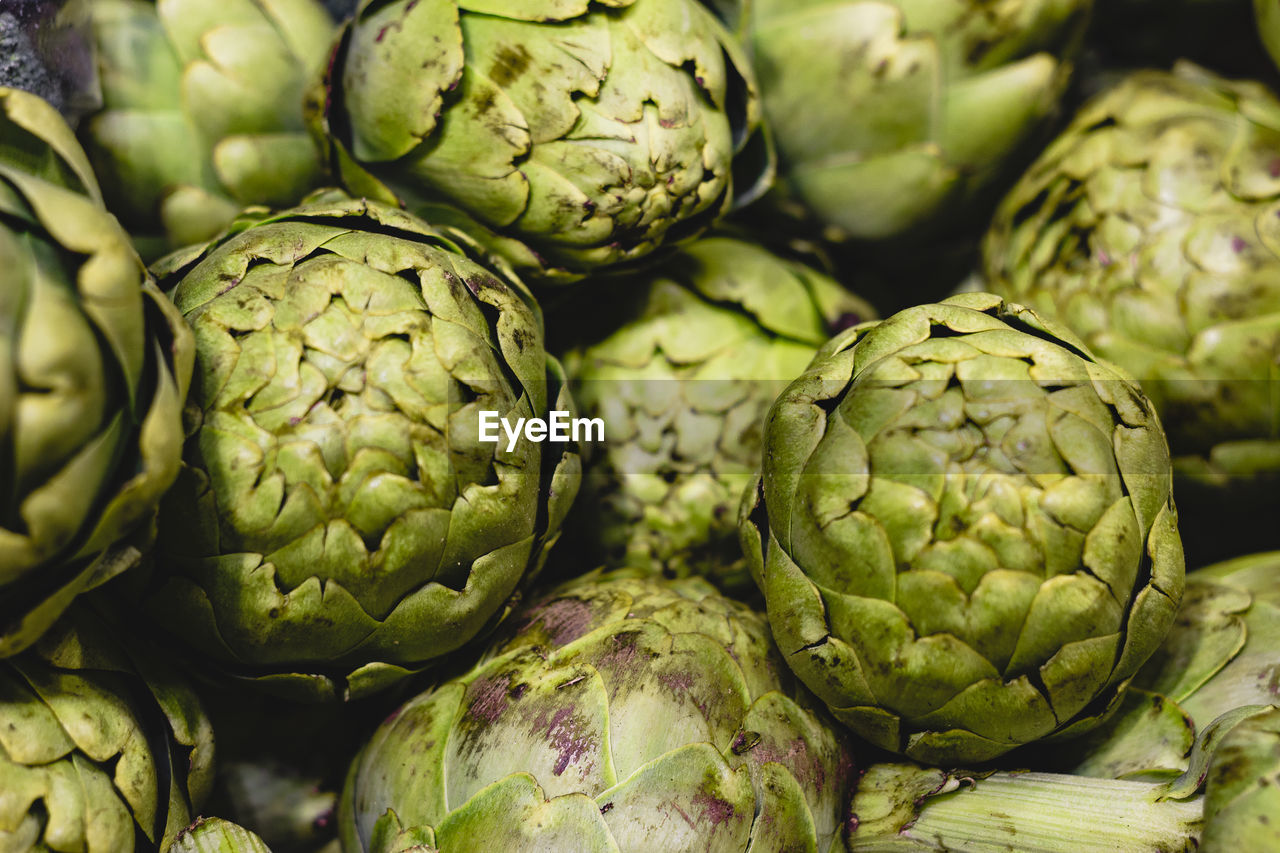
(202, 111)
(897, 119)
(343, 519)
(95, 370)
(568, 137)
(1150, 229)
(609, 708)
(964, 530)
(102, 748)
(681, 372)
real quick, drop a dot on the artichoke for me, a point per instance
(95, 367)
(891, 117)
(568, 136)
(1150, 228)
(617, 713)
(102, 749)
(964, 530)
(202, 111)
(681, 378)
(1242, 796)
(215, 835)
(341, 519)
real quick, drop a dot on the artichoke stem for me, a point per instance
(902, 807)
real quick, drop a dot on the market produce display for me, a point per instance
(473, 423)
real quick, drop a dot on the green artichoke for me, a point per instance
(341, 519)
(681, 377)
(1242, 797)
(964, 530)
(202, 111)
(569, 135)
(1150, 228)
(102, 750)
(95, 368)
(892, 117)
(215, 835)
(617, 714)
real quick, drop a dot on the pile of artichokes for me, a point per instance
(654, 425)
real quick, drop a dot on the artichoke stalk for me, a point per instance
(1150, 229)
(96, 365)
(202, 111)
(102, 748)
(568, 136)
(896, 118)
(964, 530)
(616, 714)
(341, 521)
(682, 373)
(904, 807)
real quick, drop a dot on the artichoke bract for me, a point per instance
(891, 118)
(569, 136)
(682, 374)
(1242, 795)
(215, 835)
(202, 111)
(1150, 228)
(96, 363)
(616, 714)
(964, 530)
(341, 519)
(102, 748)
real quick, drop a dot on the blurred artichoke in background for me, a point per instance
(202, 111)
(614, 714)
(893, 117)
(1151, 228)
(965, 531)
(342, 520)
(102, 750)
(569, 136)
(215, 835)
(96, 363)
(681, 369)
